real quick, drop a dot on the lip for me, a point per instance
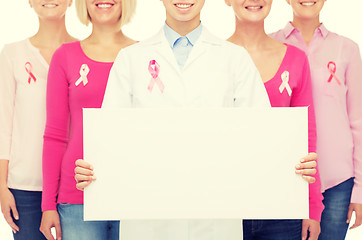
(104, 5)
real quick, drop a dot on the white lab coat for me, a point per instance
(216, 74)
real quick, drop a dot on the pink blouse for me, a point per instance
(336, 70)
(74, 82)
(291, 87)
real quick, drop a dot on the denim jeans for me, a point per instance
(272, 229)
(336, 203)
(74, 228)
(28, 204)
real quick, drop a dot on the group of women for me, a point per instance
(47, 79)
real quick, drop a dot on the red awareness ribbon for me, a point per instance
(332, 69)
(154, 70)
(28, 69)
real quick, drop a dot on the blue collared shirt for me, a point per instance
(182, 45)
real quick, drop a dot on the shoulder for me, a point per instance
(345, 43)
(296, 53)
(71, 47)
(12, 50)
(278, 35)
(70, 50)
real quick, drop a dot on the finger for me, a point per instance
(15, 212)
(83, 171)
(313, 236)
(357, 223)
(9, 220)
(309, 179)
(310, 157)
(47, 233)
(82, 185)
(307, 165)
(306, 172)
(349, 215)
(58, 231)
(304, 231)
(83, 164)
(82, 178)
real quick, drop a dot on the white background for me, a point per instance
(18, 21)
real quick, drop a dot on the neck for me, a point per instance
(51, 33)
(307, 27)
(181, 27)
(106, 34)
(249, 35)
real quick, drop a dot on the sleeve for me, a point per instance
(118, 92)
(303, 97)
(7, 104)
(354, 109)
(56, 129)
(249, 90)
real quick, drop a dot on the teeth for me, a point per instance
(183, 5)
(254, 8)
(308, 3)
(104, 5)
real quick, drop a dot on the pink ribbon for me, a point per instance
(28, 69)
(332, 69)
(154, 70)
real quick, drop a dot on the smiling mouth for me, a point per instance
(308, 4)
(254, 7)
(50, 5)
(104, 5)
(184, 5)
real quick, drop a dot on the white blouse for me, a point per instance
(23, 77)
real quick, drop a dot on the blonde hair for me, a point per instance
(128, 10)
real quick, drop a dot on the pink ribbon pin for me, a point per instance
(84, 70)
(285, 83)
(154, 70)
(29, 69)
(332, 69)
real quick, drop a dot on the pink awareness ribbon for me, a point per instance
(84, 70)
(285, 83)
(332, 69)
(29, 69)
(154, 70)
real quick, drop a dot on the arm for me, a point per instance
(7, 98)
(354, 103)
(55, 140)
(302, 97)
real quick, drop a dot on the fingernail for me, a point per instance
(302, 160)
(94, 178)
(298, 171)
(297, 166)
(14, 231)
(91, 167)
(17, 217)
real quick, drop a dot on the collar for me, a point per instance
(289, 29)
(173, 36)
